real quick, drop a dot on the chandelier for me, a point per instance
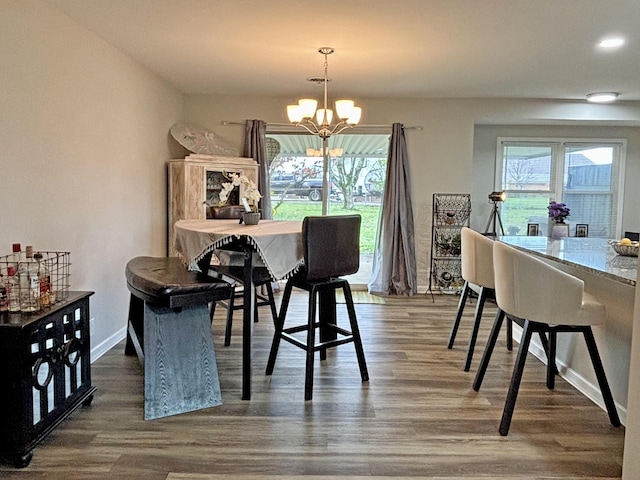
(303, 113)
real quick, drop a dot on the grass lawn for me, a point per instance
(297, 210)
(517, 211)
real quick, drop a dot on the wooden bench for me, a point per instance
(170, 330)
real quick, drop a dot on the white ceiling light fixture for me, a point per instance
(602, 97)
(302, 114)
(612, 42)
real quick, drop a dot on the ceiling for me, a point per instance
(384, 48)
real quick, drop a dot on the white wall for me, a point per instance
(442, 154)
(83, 144)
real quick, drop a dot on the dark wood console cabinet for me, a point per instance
(45, 373)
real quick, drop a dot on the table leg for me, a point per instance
(249, 299)
(248, 312)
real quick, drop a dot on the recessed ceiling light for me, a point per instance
(602, 97)
(611, 42)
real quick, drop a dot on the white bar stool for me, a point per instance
(527, 291)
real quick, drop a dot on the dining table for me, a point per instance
(274, 244)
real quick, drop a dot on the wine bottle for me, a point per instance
(17, 256)
(4, 301)
(29, 283)
(44, 279)
(13, 289)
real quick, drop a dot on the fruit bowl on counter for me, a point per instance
(625, 247)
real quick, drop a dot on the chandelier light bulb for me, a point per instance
(321, 119)
(294, 113)
(307, 107)
(356, 113)
(344, 108)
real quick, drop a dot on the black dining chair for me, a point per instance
(331, 250)
(234, 274)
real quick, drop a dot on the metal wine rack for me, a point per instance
(451, 212)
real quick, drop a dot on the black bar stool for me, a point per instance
(331, 249)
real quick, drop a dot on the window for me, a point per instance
(583, 174)
(356, 172)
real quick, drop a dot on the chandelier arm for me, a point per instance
(315, 131)
(343, 126)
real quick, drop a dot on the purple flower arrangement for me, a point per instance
(558, 211)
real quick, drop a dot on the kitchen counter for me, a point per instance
(593, 255)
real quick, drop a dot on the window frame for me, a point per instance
(558, 146)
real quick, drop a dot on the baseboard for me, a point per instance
(98, 350)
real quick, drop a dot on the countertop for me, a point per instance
(591, 254)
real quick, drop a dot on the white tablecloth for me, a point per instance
(277, 242)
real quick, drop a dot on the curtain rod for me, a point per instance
(282, 125)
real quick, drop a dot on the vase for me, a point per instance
(251, 218)
(558, 230)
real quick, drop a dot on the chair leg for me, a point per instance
(551, 358)
(518, 368)
(255, 306)
(476, 326)
(227, 330)
(327, 314)
(355, 331)
(273, 353)
(601, 376)
(456, 323)
(311, 342)
(547, 344)
(509, 334)
(212, 310)
(272, 302)
(491, 343)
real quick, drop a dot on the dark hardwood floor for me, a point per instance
(417, 417)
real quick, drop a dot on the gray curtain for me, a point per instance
(255, 147)
(394, 259)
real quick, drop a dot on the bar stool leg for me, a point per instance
(272, 302)
(491, 343)
(311, 351)
(509, 334)
(273, 353)
(355, 331)
(518, 368)
(601, 376)
(551, 358)
(456, 323)
(476, 326)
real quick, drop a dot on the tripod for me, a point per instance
(493, 218)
